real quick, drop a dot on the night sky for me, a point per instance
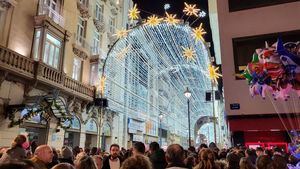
(149, 7)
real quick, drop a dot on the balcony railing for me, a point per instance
(98, 51)
(29, 69)
(53, 14)
(14, 62)
(84, 8)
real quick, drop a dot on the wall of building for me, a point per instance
(258, 21)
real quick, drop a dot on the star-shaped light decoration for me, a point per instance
(171, 19)
(202, 14)
(102, 85)
(213, 73)
(122, 52)
(121, 33)
(190, 9)
(134, 13)
(153, 20)
(189, 53)
(198, 33)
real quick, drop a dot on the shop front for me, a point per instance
(72, 134)
(91, 131)
(35, 127)
(136, 130)
(151, 132)
(106, 136)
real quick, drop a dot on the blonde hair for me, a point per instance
(137, 162)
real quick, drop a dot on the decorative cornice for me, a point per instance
(78, 52)
(100, 25)
(4, 4)
(84, 10)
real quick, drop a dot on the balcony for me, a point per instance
(25, 68)
(81, 47)
(97, 51)
(99, 24)
(51, 13)
(84, 8)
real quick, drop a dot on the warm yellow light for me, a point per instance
(213, 73)
(171, 19)
(121, 33)
(102, 85)
(189, 53)
(153, 20)
(123, 52)
(190, 9)
(198, 33)
(133, 13)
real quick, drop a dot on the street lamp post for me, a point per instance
(160, 129)
(188, 94)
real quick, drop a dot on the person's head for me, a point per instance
(233, 160)
(44, 153)
(175, 155)
(279, 162)
(263, 162)
(98, 160)
(137, 162)
(154, 146)
(212, 145)
(245, 163)
(202, 146)
(66, 153)
(94, 151)
(114, 150)
(19, 141)
(268, 153)
(259, 151)
(277, 151)
(63, 166)
(206, 158)
(85, 162)
(138, 148)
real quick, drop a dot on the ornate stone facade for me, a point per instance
(100, 25)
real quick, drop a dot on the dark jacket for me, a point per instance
(106, 162)
(15, 153)
(158, 159)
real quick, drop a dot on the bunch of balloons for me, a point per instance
(275, 69)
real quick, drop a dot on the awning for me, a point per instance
(264, 124)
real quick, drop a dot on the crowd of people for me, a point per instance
(19, 156)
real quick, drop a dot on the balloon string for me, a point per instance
(279, 116)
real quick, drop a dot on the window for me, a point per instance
(52, 9)
(84, 2)
(93, 74)
(112, 25)
(99, 12)
(52, 50)
(96, 43)
(77, 64)
(80, 38)
(36, 44)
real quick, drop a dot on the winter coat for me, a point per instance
(158, 159)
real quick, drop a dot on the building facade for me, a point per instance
(51, 52)
(243, 27)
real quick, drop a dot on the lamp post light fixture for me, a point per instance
(188, 94)
(160, 129)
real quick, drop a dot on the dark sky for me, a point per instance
(149, 7)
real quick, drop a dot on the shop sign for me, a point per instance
(138, 138)
(151, 128)
(91, 126)
(134, 126)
